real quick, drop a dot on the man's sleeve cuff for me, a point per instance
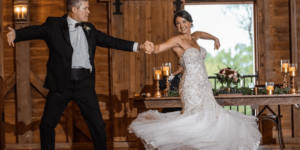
(135, 47)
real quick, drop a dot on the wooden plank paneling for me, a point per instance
(23, 91)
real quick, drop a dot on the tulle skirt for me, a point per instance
(174, 131)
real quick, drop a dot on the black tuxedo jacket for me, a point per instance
(55, 32)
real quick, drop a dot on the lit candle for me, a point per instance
(157, 75)
(18, 11)
(158, 72)
(285, 67)
(292, 71)
(23, 11)
(269, 87)
(292, 68)
(166, 71)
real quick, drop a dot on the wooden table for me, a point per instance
(173, 102)
(142, 103)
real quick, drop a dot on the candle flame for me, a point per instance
(18, 9)
(23, 9)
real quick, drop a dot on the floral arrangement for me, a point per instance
(228, 76)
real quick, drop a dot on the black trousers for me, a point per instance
(86, 98)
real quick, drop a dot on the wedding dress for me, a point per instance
(202, 124)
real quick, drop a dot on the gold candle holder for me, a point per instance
(157, 76)
(284, 70)
(293, 74)
(166, 72)
(270, 88)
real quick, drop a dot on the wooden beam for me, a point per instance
(260, 42)
(2, 133)
(293, 31)
(38, 84)
(23, 88)
(293, 56)
(1, 39)
(9, 83)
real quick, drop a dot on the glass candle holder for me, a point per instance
(270, 88)
(157, 71)
(285, 66)
(293, 74)
(166, 69)
(293, 70)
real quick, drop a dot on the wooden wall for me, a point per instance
(121, 74)
(274, 44)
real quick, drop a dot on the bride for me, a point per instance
(202, 124)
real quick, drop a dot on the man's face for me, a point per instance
(82, 14)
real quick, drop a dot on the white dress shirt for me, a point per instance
(81, 57)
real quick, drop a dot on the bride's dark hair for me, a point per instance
(184, 14)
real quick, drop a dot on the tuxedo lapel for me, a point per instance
(88, 38)
(65, 29)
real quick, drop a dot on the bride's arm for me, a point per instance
(172, 42)
(207, 36)
(178, 70)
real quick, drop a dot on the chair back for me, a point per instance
(2, 133)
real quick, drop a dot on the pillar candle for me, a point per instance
(270, 87)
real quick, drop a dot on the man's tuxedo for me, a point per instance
(55, 32)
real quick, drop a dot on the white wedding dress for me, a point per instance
(202, 124)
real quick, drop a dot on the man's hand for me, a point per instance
(217, 44)
(11, 36)
(148, 47)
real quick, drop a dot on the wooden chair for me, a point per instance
(275, 118)
(2, 139)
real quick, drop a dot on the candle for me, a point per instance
(292, 68)
(285, 65)
(157, 75)
(166, 71)
(18, 11)
(270, 87)
(158, 72)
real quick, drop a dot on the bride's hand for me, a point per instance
(148, 47)
(217, 44)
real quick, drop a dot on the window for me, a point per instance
(233, 25)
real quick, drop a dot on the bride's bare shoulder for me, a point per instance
(196, 34)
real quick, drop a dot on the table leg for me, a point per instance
(280, 136)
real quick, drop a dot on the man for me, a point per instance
(72, 43)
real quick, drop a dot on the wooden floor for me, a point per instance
(262, 147)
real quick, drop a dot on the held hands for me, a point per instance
(148, 47)
(217, 44)
(11, 36)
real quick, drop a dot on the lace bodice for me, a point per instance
(195, 89)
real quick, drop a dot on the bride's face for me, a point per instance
(183, 25)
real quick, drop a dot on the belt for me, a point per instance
(79, 74)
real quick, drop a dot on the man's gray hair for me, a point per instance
(73, 3)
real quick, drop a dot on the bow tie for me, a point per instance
(79, 24)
